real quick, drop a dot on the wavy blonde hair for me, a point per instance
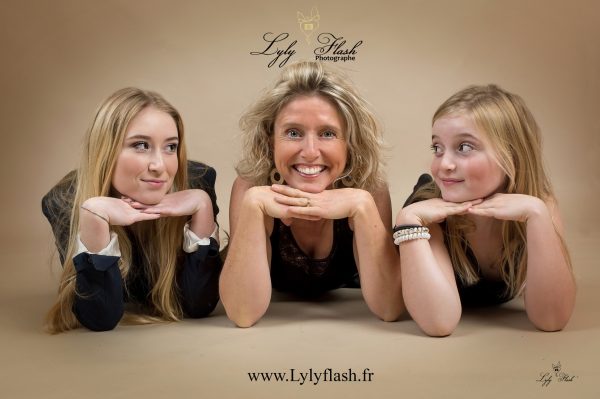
(161, 238)
(362, 131)
(517, 142)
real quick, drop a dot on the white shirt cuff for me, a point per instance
(112, 249)
(191, 241)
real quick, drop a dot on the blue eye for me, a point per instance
(465, 147)
(293, 133)
(329, 134)
(141, 146)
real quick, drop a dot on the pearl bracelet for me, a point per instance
(410, 232)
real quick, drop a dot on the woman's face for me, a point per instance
(309, 147)
(147, 163)
(464, 163)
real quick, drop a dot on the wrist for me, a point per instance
(91, 209)
(253, 201)
(94, 232)
(537, 209)
(407, 218)
(363, 203)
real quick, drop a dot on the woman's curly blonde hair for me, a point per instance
(364, 168)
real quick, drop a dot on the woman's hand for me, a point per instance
(517, 207)
(328, 204)
(179, 203)
(194, 202)
(96, 216)
(116, 211)
(267, 200)
(434, 210)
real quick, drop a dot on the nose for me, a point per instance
(310, 148)
(156, 162)
(447, 162)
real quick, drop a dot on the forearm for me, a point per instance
(203, 220)
(245, 283)
(378, 263)
(430, 292)
(431, 299)
(550, 286)
(98, 303)
(94, 230)
(199, 280)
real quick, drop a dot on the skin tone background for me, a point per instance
(60, 59)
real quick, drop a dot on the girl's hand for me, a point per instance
(517, 207)
(434, 210)
(116, 211)
(328, 204)
(180, 203)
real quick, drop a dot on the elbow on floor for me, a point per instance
(103, 324)
(438, 331)
(244, 321)
(389, 316)
(439, 328)
(550, 321)
(199, 311)
(105, 319)
(549, 325)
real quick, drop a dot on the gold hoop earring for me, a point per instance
(276, 177)
(348, 181)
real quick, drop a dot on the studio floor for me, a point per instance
(494, 353)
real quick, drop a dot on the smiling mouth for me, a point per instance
(451, 181)
(156, 183)
(309, 171)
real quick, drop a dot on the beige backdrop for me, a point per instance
(61, 58)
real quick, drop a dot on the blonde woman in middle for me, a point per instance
(310, 210)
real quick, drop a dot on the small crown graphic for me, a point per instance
(308, 25)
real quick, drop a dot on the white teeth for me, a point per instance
(310, 170)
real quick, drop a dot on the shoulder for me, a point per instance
(201, 172)
(383, 202)
(425, 183)
(381, 193)
(201, 176)
(59, 199)
(241, 185)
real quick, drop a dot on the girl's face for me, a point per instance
(148, 161)
(309, 148)
(464, 163)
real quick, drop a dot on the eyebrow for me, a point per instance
(291, 124)
(148, 138)
(460, 136)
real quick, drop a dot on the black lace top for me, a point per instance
(294, 271)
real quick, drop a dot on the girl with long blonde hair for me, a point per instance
(136, 222)
(487, 227)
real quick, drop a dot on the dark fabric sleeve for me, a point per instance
(99, 303)
(199, 280)
(56, 207)
(423, 180)
(201, 176)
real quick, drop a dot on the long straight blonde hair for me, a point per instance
(161, 238)
(517, 142)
